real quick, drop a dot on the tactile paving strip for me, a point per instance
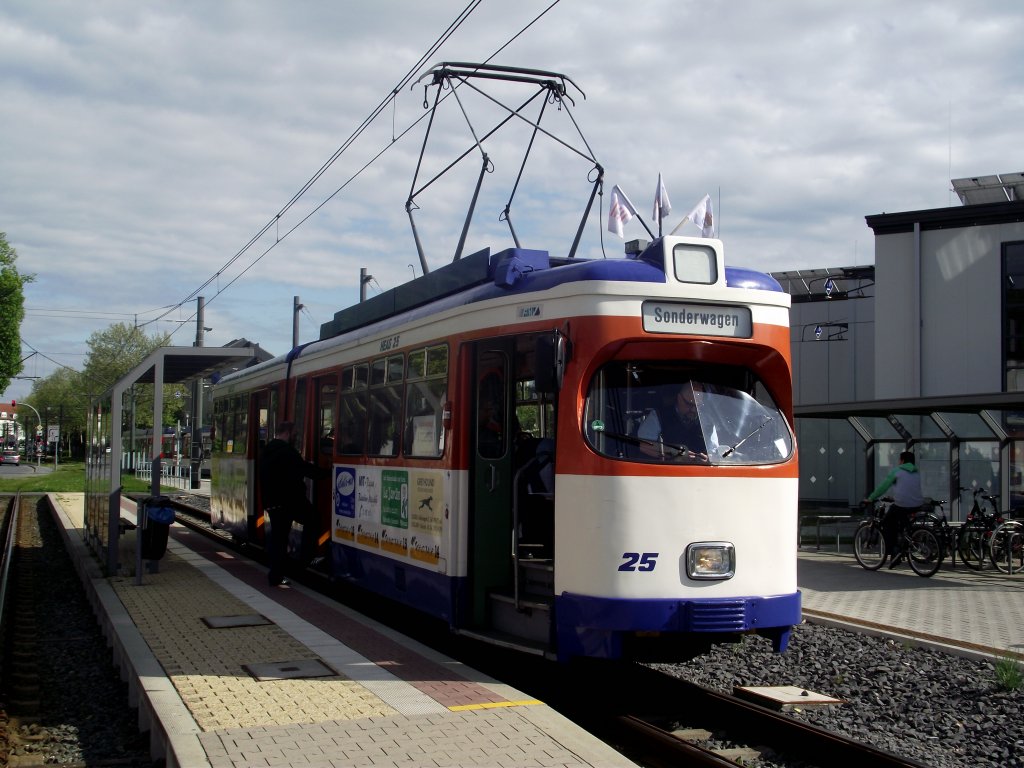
(205, 665)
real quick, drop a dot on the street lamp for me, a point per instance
(38, 417)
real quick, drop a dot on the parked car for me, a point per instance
(10, 456)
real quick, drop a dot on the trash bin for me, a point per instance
(158, 514)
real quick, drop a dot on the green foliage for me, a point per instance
(60, 400)
(116, 351)
(65, 394)
(1009, 673)
(12, 312)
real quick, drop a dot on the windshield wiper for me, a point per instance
(749, 435)
(675, 449)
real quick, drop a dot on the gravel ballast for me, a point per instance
(83, 718)
(937, 708)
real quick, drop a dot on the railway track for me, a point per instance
(687, 724)
(61, 699)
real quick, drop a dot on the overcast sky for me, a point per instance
(148, 148)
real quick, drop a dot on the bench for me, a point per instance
(829, 518)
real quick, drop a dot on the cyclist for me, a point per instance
(905, 482)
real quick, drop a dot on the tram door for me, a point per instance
(262, 423)
(323, 452)
(490, 519)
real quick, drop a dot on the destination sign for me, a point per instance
(699, 319)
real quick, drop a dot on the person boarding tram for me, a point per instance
(283, 474)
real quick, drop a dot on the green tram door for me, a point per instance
(490, 518)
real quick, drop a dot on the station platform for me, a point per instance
(978, 614)
(228, 671)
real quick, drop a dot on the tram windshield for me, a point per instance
(684, 413)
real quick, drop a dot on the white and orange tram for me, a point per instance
(572, 457)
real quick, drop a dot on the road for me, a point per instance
(24, 468)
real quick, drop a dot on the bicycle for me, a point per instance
(1006, 547)
(932, 515)
(973, 543)
(920, 545)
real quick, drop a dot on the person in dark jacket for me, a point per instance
(673, 432)
(283, 474)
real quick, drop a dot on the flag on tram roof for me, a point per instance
(620, 211)
(702, 216)
(662, 206)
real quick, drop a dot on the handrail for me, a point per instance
(534, 460)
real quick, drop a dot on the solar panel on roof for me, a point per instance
(998, 188)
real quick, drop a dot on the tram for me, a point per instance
(505, 448)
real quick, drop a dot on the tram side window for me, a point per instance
(241, 425)
(325, 417)
(352, 410)
(426, 391)
(263, 422)
(657, 411)
(298, 413)
(219, 430)
(230, 425)
(385, 405)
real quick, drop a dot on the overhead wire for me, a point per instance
(275, 220)
(372, 160)
(389, 99)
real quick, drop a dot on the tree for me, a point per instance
(116, 351)
(60, 398)
(65, 394)
(12, 312)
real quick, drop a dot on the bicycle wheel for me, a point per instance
(970, 545)
(869, 546)
(925, 552)
(1007, 547)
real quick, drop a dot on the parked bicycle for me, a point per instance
(1006, 546)
(916, 541)
(933, 517)
(974, 541)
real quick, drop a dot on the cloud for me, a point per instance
(145, 145)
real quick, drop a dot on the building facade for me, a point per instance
(923, 349)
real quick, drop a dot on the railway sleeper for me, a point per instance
(699, 735)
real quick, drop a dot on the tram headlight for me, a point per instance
(711, 560)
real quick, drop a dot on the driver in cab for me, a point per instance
(673, 432)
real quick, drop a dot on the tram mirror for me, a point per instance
(551, 353)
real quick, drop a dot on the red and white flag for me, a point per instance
(620, 212)
(662, 206)
(702, 216)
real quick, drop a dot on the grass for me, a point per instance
(69, 477)
(1009, 673)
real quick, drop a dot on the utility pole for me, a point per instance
(363, 280)
(196, 462)
(296, 306)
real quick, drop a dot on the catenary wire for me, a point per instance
(444, 37)
(348, 142)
